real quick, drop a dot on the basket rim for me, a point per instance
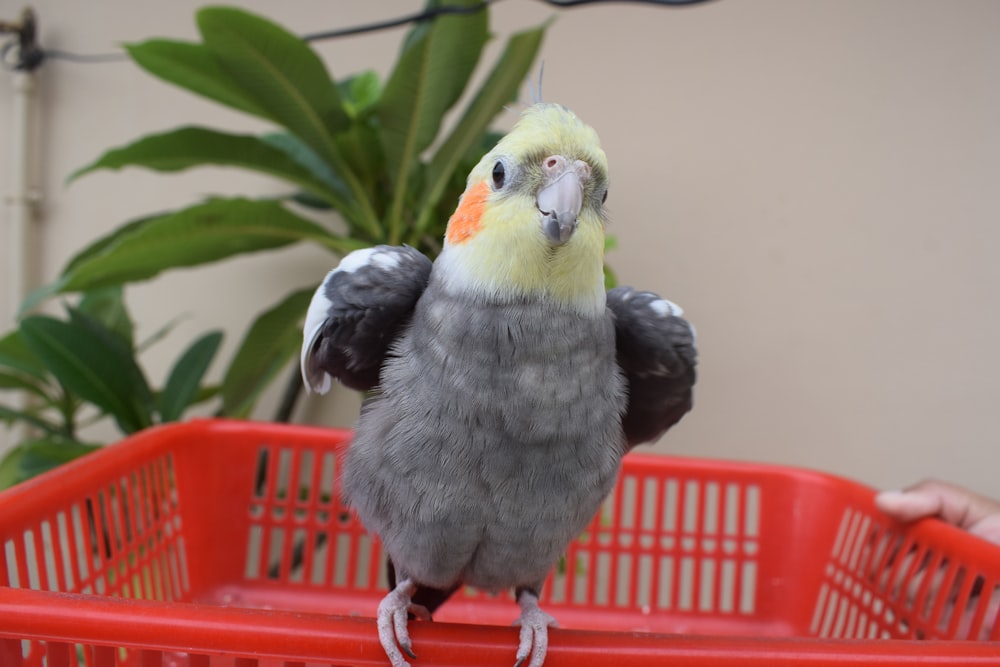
(205, 628)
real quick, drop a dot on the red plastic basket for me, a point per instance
(225, 543)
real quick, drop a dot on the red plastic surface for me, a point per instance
(225, 543)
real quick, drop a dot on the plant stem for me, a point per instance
(68, 413)
(293, 389)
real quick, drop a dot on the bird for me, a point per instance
(504, 384)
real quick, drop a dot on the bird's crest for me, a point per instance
(536, 93)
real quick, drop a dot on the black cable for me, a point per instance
(38, 55)
(396, 22)
(668, 3)
(443, 10)
(85, 58)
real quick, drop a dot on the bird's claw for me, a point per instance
(534, 637)
(392, 623)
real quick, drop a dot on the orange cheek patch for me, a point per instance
(466, 220)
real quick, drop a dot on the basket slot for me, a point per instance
(991, 617)
(956, 597)
(656, 545)
(862, 569)
(299, 532)
(666, 545)
(882, 583)
(123, 539)
(62, 654)
(67, 548)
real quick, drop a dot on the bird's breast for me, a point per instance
(524, 368)
(496, 434)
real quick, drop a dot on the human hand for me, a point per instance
(964, 509)
(953, 504)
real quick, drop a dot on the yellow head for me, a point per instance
(531, 220)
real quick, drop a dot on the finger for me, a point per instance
(957, 506)
(977, 514)
(908, 505)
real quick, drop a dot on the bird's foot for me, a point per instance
(534, 622)
(392, 619)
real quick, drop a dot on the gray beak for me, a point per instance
(561, 196)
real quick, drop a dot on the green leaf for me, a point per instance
(362, 150)
(293, 149)
(15, 354)
(14, 381)
(304, 155)
(272, 340)
(206, 393)
(200, 234)
(159, 334)
(360, 144)
(127, 365)
(499, 88)
(434, 66)
(12, 416)
(37, 456)
(275, 69)
(198, 146)
(241, 65)
(610, 242)
(37, 296)
(285, 77)
(101, 245)
(309, 200)
(610, 278)
(107, 306)
(185, 378)
(360, 92)
(194, 67)
(87, 364)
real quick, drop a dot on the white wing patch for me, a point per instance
(664, 308)
(387, 260)
(315, 319)
(382, 258)
(354, 261)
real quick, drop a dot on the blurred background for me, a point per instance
(815, 182)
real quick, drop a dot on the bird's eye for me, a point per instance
(499, 175)
(605, 197)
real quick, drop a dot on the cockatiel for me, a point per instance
(507, 383)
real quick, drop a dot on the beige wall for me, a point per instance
(816, 182)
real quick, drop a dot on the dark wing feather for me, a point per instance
(656, 350)
(357, 313)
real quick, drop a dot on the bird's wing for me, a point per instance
(656, 351)
(356, 314)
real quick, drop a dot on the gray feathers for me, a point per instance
(496, 427)
(494, 438)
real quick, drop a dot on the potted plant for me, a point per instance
(366, 162)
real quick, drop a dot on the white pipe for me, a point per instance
(22, 204)
(22, 201)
